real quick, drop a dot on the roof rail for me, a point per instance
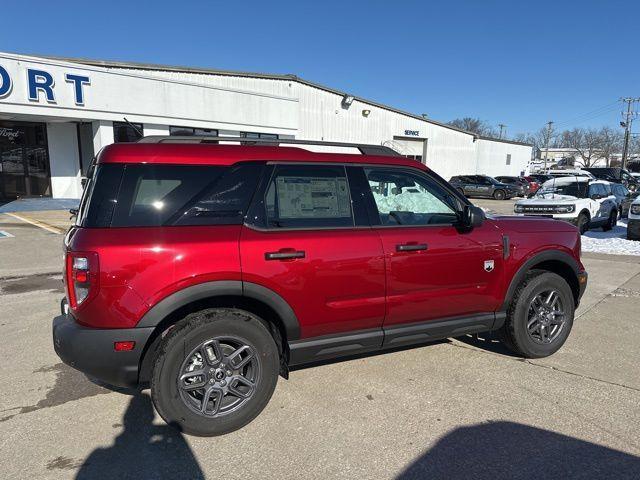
(364, 149)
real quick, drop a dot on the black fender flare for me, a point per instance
(176, 300)
(540, 257)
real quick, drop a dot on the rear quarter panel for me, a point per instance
(141, 266)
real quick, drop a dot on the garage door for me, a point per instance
(410, 147)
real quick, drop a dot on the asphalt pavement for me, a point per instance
(462, 408)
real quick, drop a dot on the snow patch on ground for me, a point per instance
(612, 242)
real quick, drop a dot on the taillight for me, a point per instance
(81, 277)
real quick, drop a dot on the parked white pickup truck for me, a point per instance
(585, 202)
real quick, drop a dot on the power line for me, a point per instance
(610, 107)
(628, 120)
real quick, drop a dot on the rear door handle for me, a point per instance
(411, 247)
(284, 255)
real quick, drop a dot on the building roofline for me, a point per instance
(234, 73)
(266, 76)
(504, 140)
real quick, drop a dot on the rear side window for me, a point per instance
(144, 195)
(308, 196)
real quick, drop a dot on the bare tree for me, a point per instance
(475, 125)
(610, 143)
(585, 142)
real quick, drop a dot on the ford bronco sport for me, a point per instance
(206, 271)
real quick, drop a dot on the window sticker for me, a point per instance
(312, 197)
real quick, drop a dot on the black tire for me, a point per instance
(499, 195)
(583, 222)
(178, 346)
(612, 222)
(514, 333)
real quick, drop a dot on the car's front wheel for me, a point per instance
(540, 316)
(215, 372)
(583, 223)
(499, 195)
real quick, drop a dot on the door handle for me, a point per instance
(284, 255)
(411, 247)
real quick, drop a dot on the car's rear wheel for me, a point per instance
(540, 316)
(499, 195)
(613, 220)
(583, 222)
(215, 372)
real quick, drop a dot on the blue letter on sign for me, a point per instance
(78, 81)
(38, 81)
(5, 83)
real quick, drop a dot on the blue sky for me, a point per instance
(518, 63)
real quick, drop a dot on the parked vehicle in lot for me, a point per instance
(557, 173)
(581, 201)
(534, 183)
(207, 270)
(633, 224)
(623, 198)
(521, 183)
(483, 186)
(626, 203)
(615, 174)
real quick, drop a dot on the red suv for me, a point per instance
(208, 270)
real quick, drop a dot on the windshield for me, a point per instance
(578, 189)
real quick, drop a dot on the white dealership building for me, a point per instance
(56, 113)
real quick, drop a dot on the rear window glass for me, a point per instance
(144, 195)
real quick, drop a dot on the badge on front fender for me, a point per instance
(488, 265)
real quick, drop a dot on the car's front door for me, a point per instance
(435, 270)
(484, 186)
(308, 241)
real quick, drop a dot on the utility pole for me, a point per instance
(546, 148)
(502, 127)
(629, 116)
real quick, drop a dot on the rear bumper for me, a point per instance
(91, 350)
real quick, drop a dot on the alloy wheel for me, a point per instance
(546, 317)
(219, 376)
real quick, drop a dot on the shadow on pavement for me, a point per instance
(143, 450)
(514, 451)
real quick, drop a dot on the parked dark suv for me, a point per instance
(206, 271)
(483, 186)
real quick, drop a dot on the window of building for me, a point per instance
(271, 136)
(126, 133)
(404, 198)
(192, 132)
(508, 159)
(308, 196)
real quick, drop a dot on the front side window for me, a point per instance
(406, 198)
(127, 133)
(308, 196)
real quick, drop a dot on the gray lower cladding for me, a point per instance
(334, 346)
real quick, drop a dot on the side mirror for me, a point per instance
(595, 196)
(472, 217)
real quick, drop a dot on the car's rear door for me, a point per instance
(307, 240)
(435, 270)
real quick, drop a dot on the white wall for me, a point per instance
(64, 160)
(492, 158)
